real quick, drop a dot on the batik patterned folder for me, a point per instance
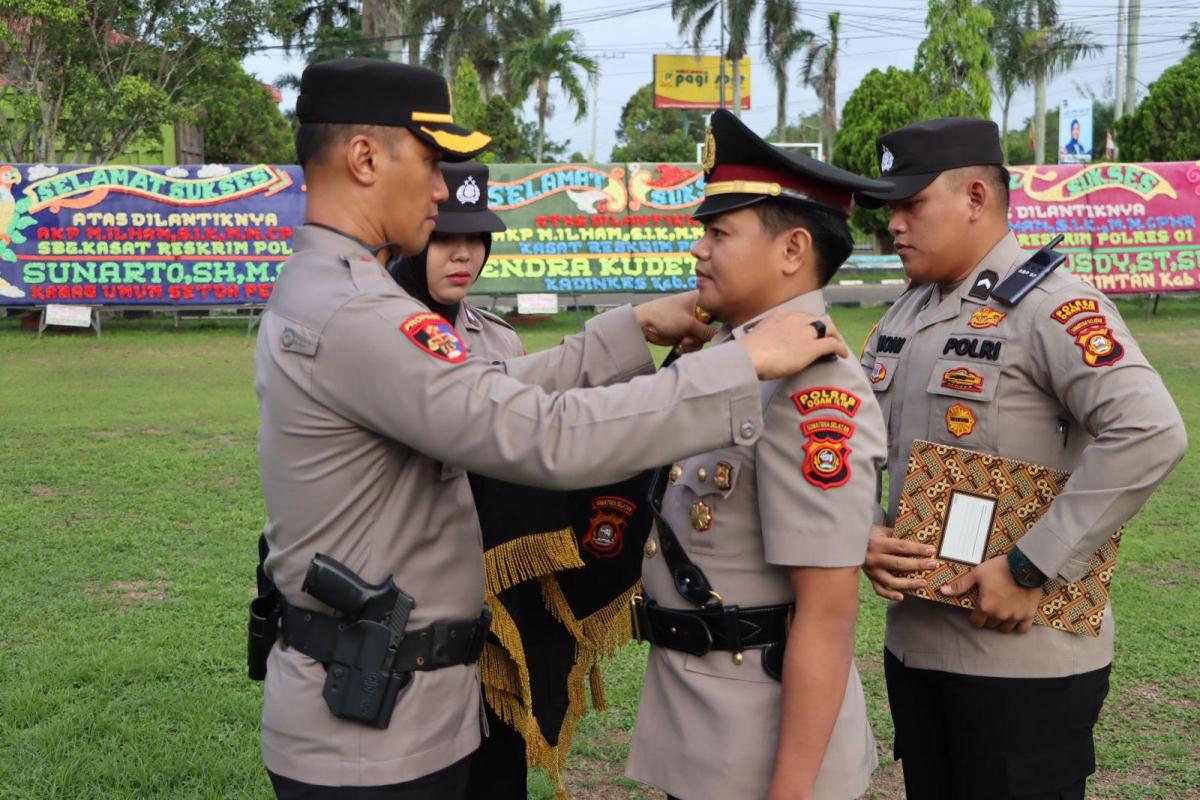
(972, 506)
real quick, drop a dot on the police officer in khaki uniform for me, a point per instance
(442, 274)
(372, 407)
(985, 705)
(758, 544)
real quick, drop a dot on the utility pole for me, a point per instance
(595, 113)
(600, 59)
(1119, 83)
(722, 79)
(1135, 18)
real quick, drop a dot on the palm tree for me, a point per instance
(820, 72)
(1007, 39)
(314, 16)
(1052, 46)
(784, 40)
(551, 54)
(697, 15)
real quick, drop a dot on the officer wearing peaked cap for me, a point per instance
(751, 572)
(366, 395)
(985, 705)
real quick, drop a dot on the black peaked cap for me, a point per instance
(466, 210)
(741, 169)
(913, 156)
(374, 92)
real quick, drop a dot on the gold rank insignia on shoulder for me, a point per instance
(702, 516)
(723, 475)
(675, 474)
(709, 158)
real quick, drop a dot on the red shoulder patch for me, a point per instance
(820, 397)
(434, 335)
(1073, 308)
(1100, 348)
(827, 452)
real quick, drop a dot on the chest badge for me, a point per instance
(702, 516)
(986, 318)
(960, 420)
(723, 476)
(962, 379)
(879, 372)
(827, 452)
(437, 337)
(606, 534)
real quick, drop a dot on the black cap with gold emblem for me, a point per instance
(466, 209)
(741, 169)
(373, 92)
(913, 156)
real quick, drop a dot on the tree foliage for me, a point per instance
(955, 59)
(884, 101)
(552, 54)
(500, 122)
(241, 121)
(468, 96)
(646, 133)
(1165, 126)
(820, 72)
(87, 77)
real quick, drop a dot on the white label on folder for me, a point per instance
(967, 527)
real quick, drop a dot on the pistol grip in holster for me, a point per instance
(358, 684)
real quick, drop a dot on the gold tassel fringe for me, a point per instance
(602, 631)
(529, 557)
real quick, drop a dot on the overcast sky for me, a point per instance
(624, 35)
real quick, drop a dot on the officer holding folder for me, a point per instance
(986, 706)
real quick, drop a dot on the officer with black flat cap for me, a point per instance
(371, 410)
(1033, 366)
(751, 572)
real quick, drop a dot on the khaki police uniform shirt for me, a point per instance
(358, 421)
(707, 728)
(1056, 380)
(488, 335)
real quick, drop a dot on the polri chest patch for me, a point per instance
(973, 347)
(434, 335)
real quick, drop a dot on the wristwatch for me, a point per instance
(1024, 572)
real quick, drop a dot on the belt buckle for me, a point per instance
(636, 602)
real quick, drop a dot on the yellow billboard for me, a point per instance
(695, 82)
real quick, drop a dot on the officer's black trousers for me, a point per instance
(498, 767)
(449, 783)
(963, 736)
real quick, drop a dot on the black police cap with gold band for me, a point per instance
(741, 169)
(371, 92)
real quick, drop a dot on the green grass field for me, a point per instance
(130, 508)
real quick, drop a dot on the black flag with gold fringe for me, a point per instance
(561, 568)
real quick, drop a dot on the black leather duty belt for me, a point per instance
(717, 627)
(443, 644)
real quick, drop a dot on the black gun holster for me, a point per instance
(357, 687)
(265, 612)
